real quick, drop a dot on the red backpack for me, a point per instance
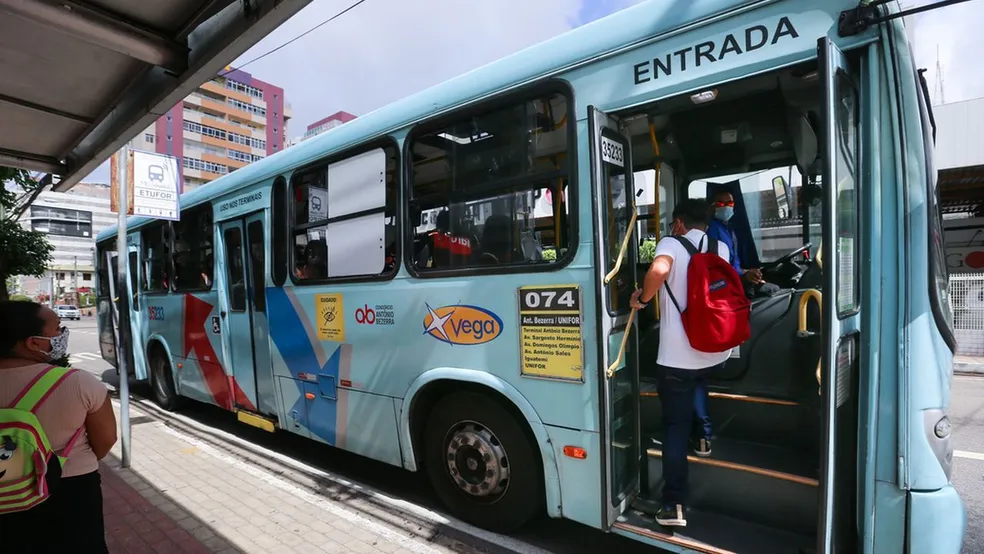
(717, 314)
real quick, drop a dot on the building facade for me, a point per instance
(330, 122)
(71, 220)
(227, 123)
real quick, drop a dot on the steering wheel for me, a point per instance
(787, 258)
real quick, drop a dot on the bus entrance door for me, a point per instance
(841, 303)
(245, 336)
(615, 215)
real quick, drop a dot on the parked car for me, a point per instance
(68, 312)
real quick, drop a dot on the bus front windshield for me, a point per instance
(780, 206)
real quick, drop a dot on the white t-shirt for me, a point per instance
(674, 347)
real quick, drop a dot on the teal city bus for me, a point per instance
(444, 284)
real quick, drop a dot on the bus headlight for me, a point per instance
(938, 432)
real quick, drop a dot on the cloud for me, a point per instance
(954, 31)
(384, 50)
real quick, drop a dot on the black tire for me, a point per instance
(161, 383)
(508, 506)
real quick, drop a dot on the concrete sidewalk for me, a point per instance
(183, 495)
(135, 524)
(968, 364)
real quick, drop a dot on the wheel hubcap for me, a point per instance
(477, 461)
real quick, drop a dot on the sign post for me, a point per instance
(120, 176)
(146, 185)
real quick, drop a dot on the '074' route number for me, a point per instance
(562, 298)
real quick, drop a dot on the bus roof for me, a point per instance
(638, 24)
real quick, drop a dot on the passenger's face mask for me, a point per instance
(59, 345)
(724, 213)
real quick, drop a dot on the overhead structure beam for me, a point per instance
(101, 29)
(45, 109)
(213, 44)
(32, 162)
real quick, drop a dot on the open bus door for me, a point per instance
(841, 304)
(612, 190)
(137, 355)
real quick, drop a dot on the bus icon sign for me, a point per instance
(155, 173)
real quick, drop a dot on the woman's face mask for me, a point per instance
(59, 345)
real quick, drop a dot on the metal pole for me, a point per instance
(75, 280)
(51, 284)
(123, 313)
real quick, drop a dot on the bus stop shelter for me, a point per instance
(80, 79)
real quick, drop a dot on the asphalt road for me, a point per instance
(967, 416)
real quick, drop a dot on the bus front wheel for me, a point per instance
(481, 462)
(162, 384)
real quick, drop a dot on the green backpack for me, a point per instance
(29, 468)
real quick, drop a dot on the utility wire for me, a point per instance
(295, 39)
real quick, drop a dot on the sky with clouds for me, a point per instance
(384, 50)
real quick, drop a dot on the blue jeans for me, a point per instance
(677, 394)
(702, 417)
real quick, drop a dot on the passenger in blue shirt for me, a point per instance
(723, 205)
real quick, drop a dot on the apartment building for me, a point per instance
(330, 122)
(71, 220)
(228, 122)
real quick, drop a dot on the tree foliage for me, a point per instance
(22, 251)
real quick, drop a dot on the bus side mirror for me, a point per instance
(782, 192)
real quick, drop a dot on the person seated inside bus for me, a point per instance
(315, 261)
(207, 271)
(723, 207)
(497, 243)
(444, 249)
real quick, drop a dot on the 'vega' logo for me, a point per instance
(462, 324)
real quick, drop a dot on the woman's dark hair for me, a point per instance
(19, 320)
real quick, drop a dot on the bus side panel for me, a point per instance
(383, 336)
(580, 499)
(930, 515)
(196, 347)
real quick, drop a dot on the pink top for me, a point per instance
(63, 413)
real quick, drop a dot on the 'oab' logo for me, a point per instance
(461, 324)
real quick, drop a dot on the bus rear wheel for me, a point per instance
(162, 383)
(481, 462)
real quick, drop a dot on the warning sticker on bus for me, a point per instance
(331, 317)
(550, 332)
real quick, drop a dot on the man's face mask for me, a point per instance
(724, 210)
(724, 213)
(59, 345)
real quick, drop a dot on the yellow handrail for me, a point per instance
(802, 330)
(657, 216)
(621, 349)
(804, 301)
(625, 244)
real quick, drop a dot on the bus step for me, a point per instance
(763, 484)
(771, 421)
(711, 533)
(256, 420)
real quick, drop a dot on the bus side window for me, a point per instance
(193, 258)
(495, 185)
(155, 258)
(344, 216)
